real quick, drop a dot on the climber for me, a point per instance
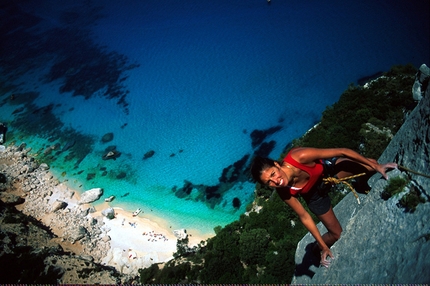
(302, 172)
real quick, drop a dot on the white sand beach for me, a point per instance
(135, 241)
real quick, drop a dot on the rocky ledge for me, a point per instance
(53, 239)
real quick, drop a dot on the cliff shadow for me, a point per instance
(310, 258)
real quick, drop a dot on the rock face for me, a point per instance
(381, 242)
(37, 243)
(30, 255)
(421, 82)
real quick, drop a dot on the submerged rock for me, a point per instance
(68, 145)
(148, 154)
(107, 137)
(121, 175)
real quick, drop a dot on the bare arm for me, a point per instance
(308, 155)
(310, 225)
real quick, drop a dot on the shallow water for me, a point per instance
(189, 80)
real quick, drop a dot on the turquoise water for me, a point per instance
(189, 80)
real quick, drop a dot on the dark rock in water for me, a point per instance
(236, 203)
(18, 110)
(148, 154)
(107, 137)
(68, 145)
(184, 191)
(111, 155)
(233, 172)
(258, 136)
(109, 199)
(212, 192)
(265, 149)
(21, 146)
(121, 175)
(47, 151)
(91, 176)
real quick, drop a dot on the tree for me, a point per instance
(253, 245)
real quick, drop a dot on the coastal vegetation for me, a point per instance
(260, 246)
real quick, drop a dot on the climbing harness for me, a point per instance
(334, 181)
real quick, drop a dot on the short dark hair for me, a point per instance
(260, 164)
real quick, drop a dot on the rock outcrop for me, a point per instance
(91, 196)
(382, 242)
(421, 82)
(53, 239)
(180, 233)
(31, 254)
(109, 213)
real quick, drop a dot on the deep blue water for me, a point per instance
(189, 80)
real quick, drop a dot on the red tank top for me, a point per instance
(314, 172)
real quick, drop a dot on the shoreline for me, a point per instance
(125, 242)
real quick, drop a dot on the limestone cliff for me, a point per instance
(382, 242)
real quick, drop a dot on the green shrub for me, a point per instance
(411, 200)
(395, 186)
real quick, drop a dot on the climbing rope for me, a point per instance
(412, 171)
(334, 181)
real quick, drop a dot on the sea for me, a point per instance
(164, 103)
